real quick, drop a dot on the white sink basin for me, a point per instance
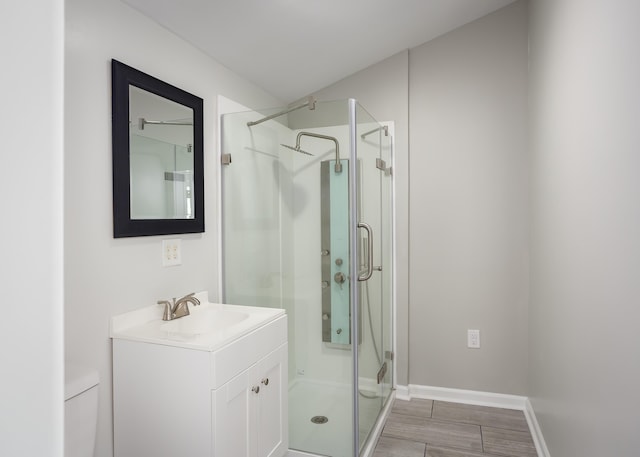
(202, 321)
(208, 327)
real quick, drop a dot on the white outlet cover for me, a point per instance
(171, 252)
(473, 339)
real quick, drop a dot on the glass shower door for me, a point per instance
(386, 255)
(374, 267)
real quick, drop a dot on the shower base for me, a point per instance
(311, 399)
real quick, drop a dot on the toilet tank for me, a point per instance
(80, 410)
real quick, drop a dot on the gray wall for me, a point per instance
(106, 276)
(585, 160)
(469, 205)
(31, 325)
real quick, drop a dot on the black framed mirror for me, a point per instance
(158, 173)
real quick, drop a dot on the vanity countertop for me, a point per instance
(209, 326)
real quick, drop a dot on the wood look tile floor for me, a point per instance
(427, 428)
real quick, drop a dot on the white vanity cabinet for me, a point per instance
(178, 401)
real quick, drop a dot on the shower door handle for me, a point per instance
(367, 275)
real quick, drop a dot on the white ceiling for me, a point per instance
(292, 48)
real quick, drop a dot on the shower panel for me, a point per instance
(307, 227)
(334, 253)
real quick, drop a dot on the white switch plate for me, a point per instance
(171, 252)
(473, 339)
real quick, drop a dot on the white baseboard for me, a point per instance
(470, 397)
(536, 432)
(402, 393)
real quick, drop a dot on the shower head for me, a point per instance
(297, 149)
(338, 165)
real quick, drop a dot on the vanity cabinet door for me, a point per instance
(250, 411)
(271, 407)
(232, 418)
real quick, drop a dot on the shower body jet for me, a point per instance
(338, 166)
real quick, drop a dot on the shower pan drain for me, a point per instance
(319, 419)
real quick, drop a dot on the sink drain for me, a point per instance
(319, 419)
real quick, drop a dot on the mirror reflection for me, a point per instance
(161, 157)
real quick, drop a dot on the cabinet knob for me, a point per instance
(265, 381)
(255, 389)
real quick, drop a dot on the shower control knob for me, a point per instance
(324, 252)
(339, 277)
(338, 261)
(325, 284)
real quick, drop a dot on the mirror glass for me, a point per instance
(158, 179)
(161, 157)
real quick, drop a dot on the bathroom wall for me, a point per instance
(584, 351)
(105, 276)
(31, 340)
(469, 205)
(459, 103)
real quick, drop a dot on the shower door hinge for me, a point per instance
(225, 159)
(382, 166)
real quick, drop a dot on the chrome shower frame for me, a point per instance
(311, 103)
(353, 273)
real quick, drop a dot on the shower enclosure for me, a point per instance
(307, 226)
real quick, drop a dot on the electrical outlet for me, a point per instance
(171, 252)
(473, 339)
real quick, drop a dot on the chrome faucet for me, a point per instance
(179, 308)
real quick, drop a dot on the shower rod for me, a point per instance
(383, 127)
(142, 122)
(311, 103)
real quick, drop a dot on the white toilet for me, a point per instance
(80, 410)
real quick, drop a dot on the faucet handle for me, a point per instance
(166, 316)
(191, 297)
